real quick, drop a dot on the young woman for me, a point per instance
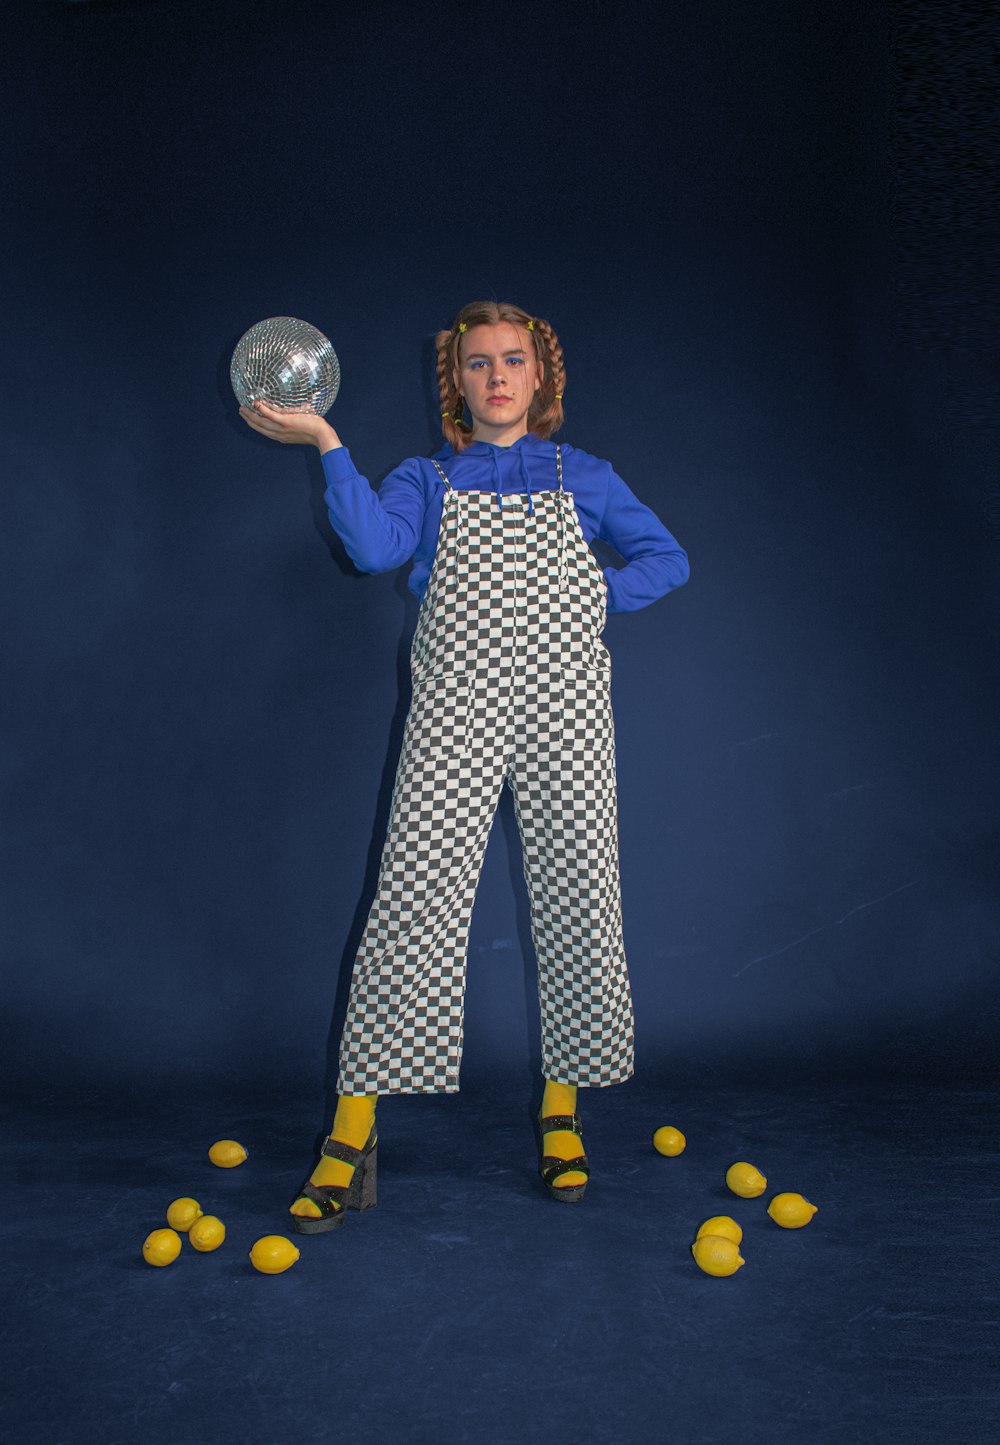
(511, 685)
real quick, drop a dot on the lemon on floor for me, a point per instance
(183, 1213)
(273, 1254)
(722, 1227)
(207, 1233)
(716, 1255)
(745, 1180)
(668, 1140)
(227, 1153)
(161, 1247)
(791, 1211)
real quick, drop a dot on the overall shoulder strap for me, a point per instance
(441, 474)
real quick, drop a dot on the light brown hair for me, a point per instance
(545, 414)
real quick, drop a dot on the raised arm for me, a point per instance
(380, 530)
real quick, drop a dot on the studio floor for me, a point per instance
(470, 1307)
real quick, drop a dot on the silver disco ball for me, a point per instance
(288, 364)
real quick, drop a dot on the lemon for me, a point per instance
(791, 1211)
(161, 1247)
(744, 1180)
(668, 1140)
(227, 1153)
(716, 1255)
(722, 1227)
(273, 1254)
(207, 1233)
(183, 1213)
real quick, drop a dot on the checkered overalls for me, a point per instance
(511, 683)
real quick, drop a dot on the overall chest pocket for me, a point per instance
(440, 715)
(586, 723)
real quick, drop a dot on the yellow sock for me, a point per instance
(561, 1099)
(352, 1124)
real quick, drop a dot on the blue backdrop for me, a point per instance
(204, 700)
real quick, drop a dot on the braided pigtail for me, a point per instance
(546, 412)
(456, 431)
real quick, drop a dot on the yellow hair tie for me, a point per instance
(446, 413)
(461, 326)
(531, 326)
(558, 396)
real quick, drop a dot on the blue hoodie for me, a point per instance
(382, 530)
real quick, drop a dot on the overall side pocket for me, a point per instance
(440, 715)
(586, 724)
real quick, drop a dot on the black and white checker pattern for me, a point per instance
(511, 683)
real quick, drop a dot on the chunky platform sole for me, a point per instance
(361, 1193)
(550, 1167)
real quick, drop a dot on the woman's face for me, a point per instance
(498, 375)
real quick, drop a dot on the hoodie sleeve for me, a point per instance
(379, 529)
(655, 562)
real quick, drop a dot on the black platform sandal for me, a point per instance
(551, 1166)
(334, 1200)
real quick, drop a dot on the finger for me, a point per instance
(258, 424)
(271, 417)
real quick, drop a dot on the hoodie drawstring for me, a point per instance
(496, 469)
(527, 482)
(524, 474)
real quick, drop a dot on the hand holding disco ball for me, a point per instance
(286, 375)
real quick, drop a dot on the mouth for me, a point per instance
(498, 400)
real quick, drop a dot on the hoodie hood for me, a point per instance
(490, 453)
